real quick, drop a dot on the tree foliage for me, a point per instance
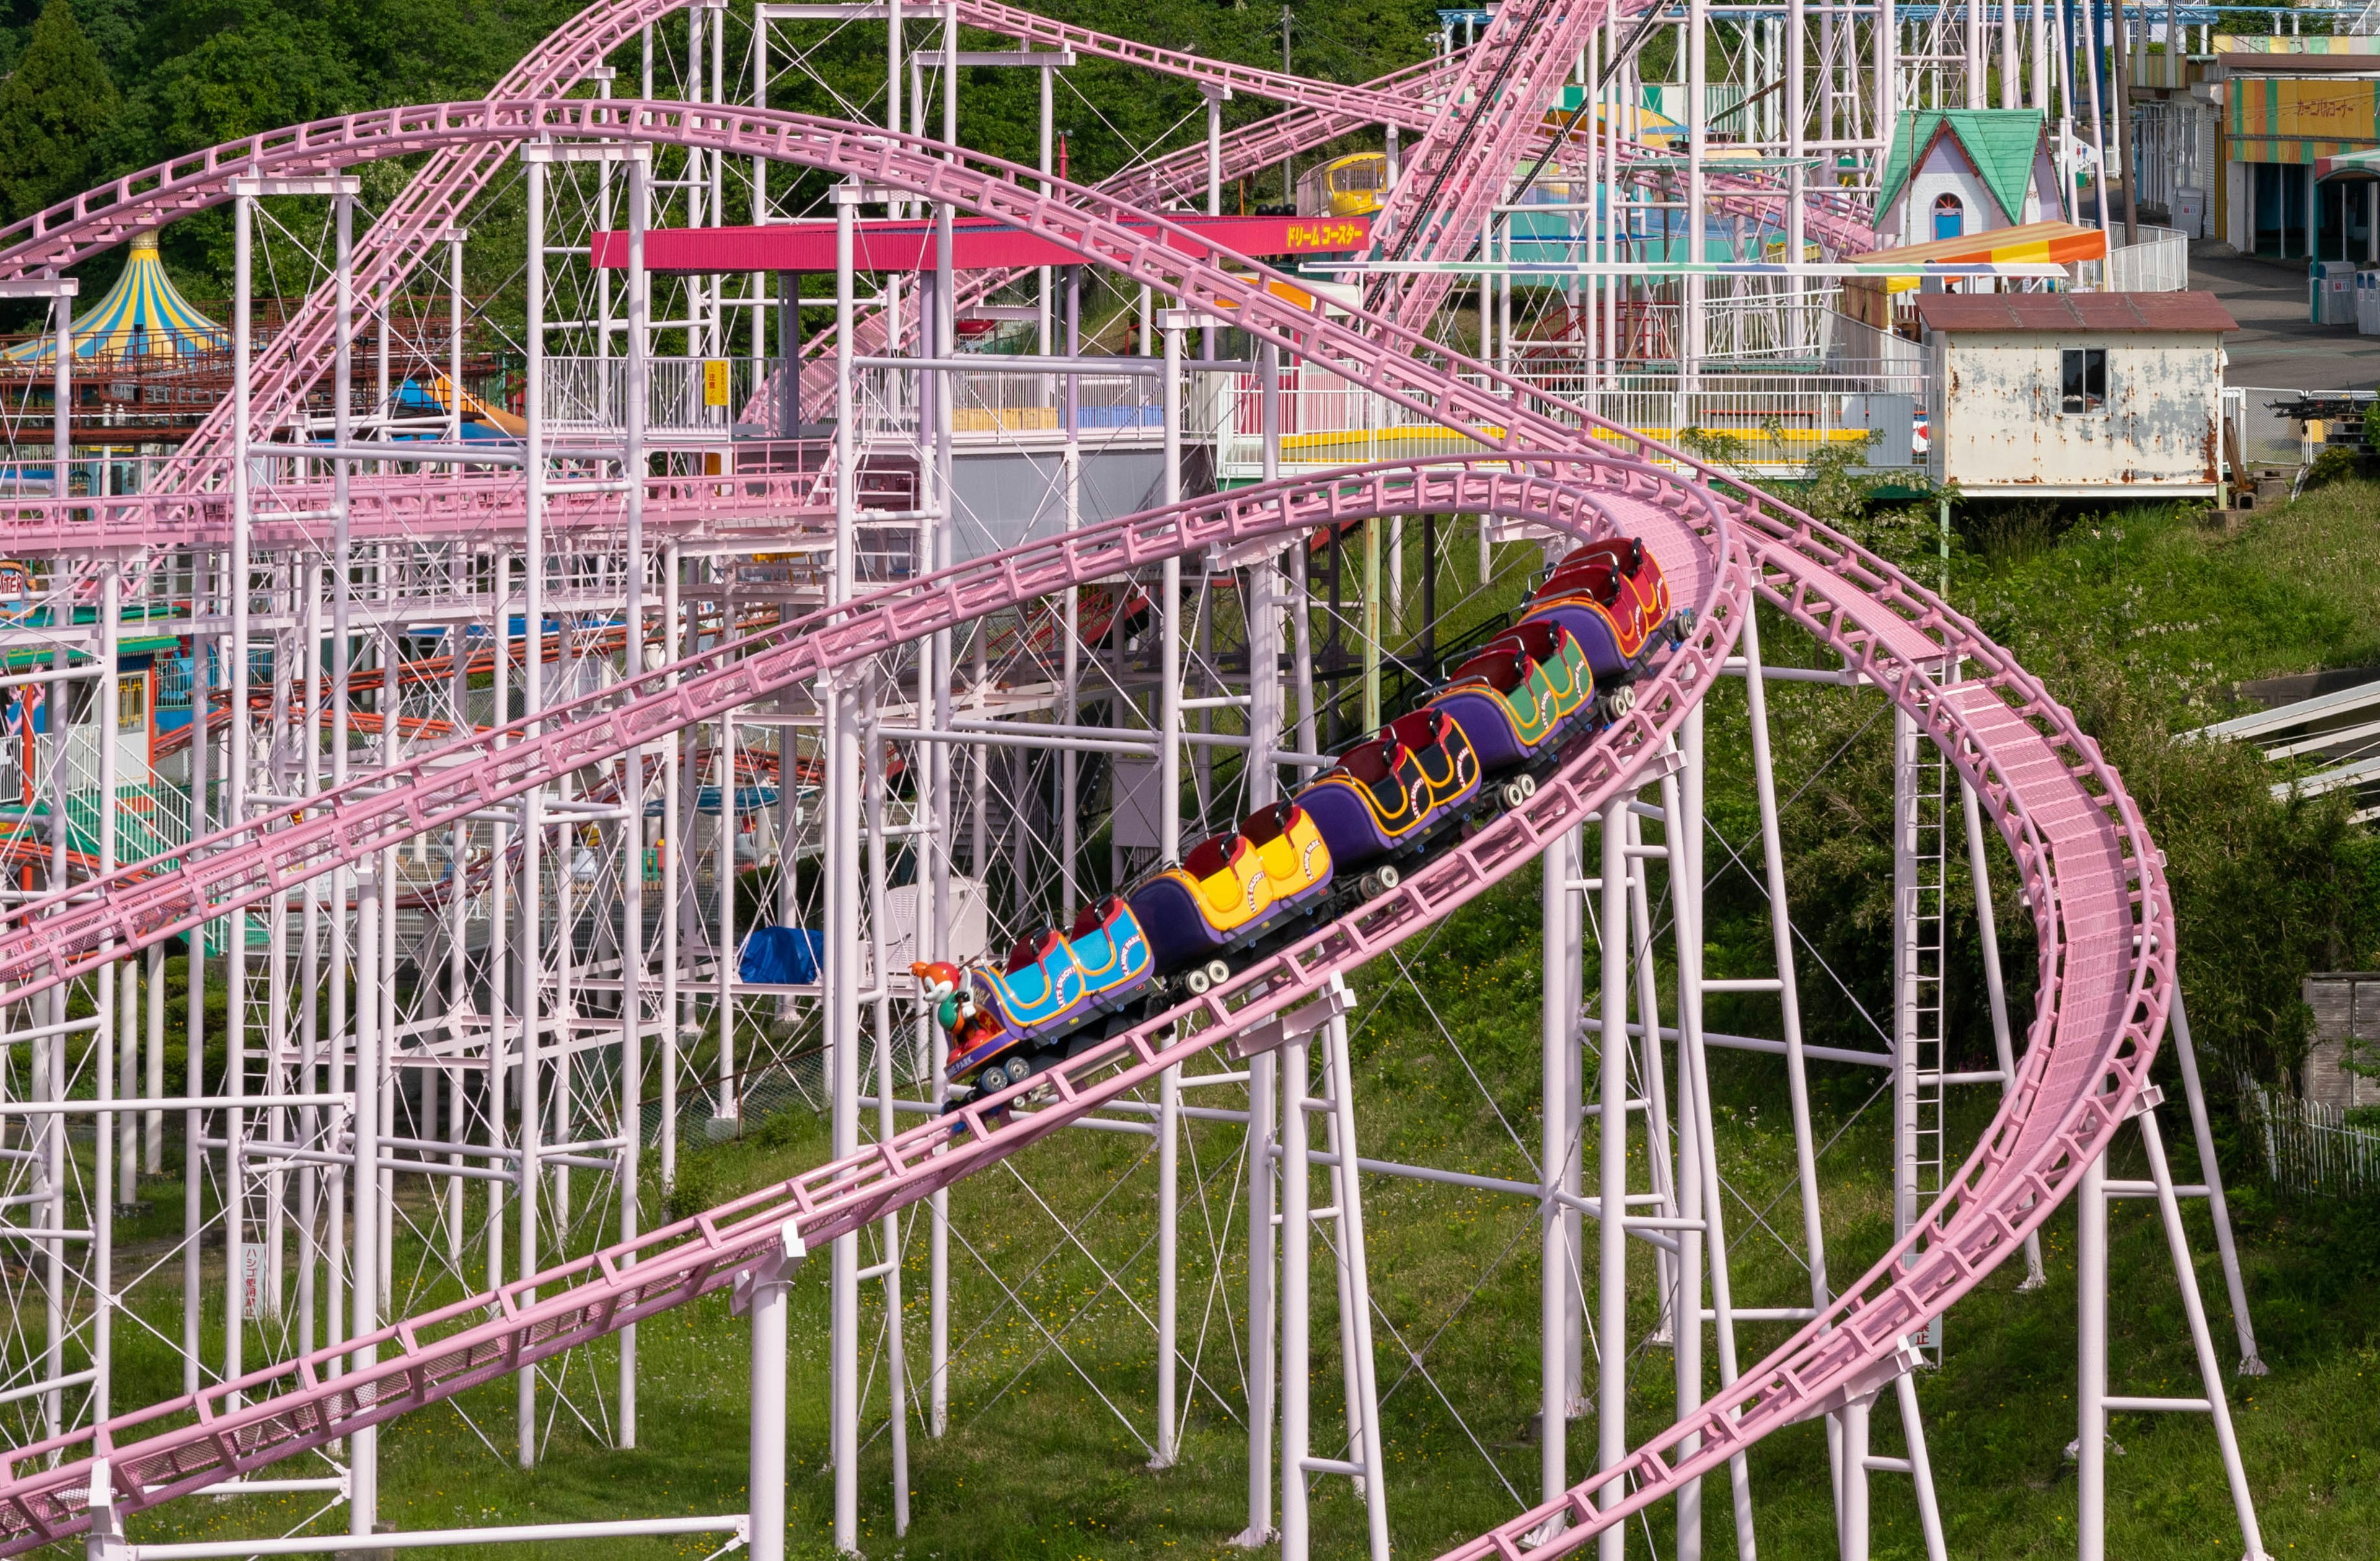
(55, 110)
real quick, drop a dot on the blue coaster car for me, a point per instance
(1395, 791)
(1055, 983)
(1234, 890)
(1517, 698)
(1611, 595)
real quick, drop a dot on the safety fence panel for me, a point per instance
(2312, 1149)
(1754, 422)
(684, 397)
(2157, 262)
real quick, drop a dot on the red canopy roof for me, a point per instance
(2066, 312)
(977, 243)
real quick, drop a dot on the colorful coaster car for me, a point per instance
(1055, 982)
(1516, 697)
(1394, 790)
(1613, 596)
(1234, 888)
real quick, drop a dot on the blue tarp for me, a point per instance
(783, 955)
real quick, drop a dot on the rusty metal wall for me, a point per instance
(1999, 427)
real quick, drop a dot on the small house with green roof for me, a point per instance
(1960, 171)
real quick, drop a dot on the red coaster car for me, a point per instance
(1613, 596)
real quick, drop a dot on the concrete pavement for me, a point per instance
(2276, 345)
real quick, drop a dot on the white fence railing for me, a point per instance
(1753, 325)
(686, 397)
(1801, 331)
(989, 405)
(2159, 263)
(1773, 424)
(2310, 1148)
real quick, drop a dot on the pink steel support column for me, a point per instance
(153, 1136)
(1611, 1187)
(1683, 803)
(674, 842)
(235, 780)
(1678, 825)
(1850, 1479)
(1357, 1365)
(1695, 288)
(1169, 851)
(1265, 720)
(2090, 1362)
(871, 771)
(1652, 1071)
(1559, 1124)
(1797, 81)
(363, 1493)
(530, 962)
(342, 585)
(632, 788)
(102, 1194)
(195, 967)
(2195, 1098)
(1296, 1325)
(938, 337)
(2094, 1402)
(841, 1011)
(1263, 1184)
(762, 1291)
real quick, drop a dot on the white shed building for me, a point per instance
(2075, 394)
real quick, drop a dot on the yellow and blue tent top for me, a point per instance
(144, 315)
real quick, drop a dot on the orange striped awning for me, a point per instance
(2053, 243)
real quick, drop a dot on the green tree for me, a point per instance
(53, 110)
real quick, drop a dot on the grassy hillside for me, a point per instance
(2141, 621)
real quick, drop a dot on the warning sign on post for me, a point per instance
(714, 382)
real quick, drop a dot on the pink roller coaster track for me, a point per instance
(2088, 871)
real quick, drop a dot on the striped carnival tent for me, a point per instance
(144, 315)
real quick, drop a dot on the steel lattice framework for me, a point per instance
(611, 554)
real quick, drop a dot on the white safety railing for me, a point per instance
(2310, 1148)
(1745, 320)
(686, 397)
(985, 403)
(1751, 421)
(1760, 325)
(989, 406)
(2159, 262)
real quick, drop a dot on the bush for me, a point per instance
(2336, 464)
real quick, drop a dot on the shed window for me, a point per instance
(1950, 217)
(2083, 380)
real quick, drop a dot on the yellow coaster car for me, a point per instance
(1232, 890)
(1396, 791)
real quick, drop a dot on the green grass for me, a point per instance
(2142, 622)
